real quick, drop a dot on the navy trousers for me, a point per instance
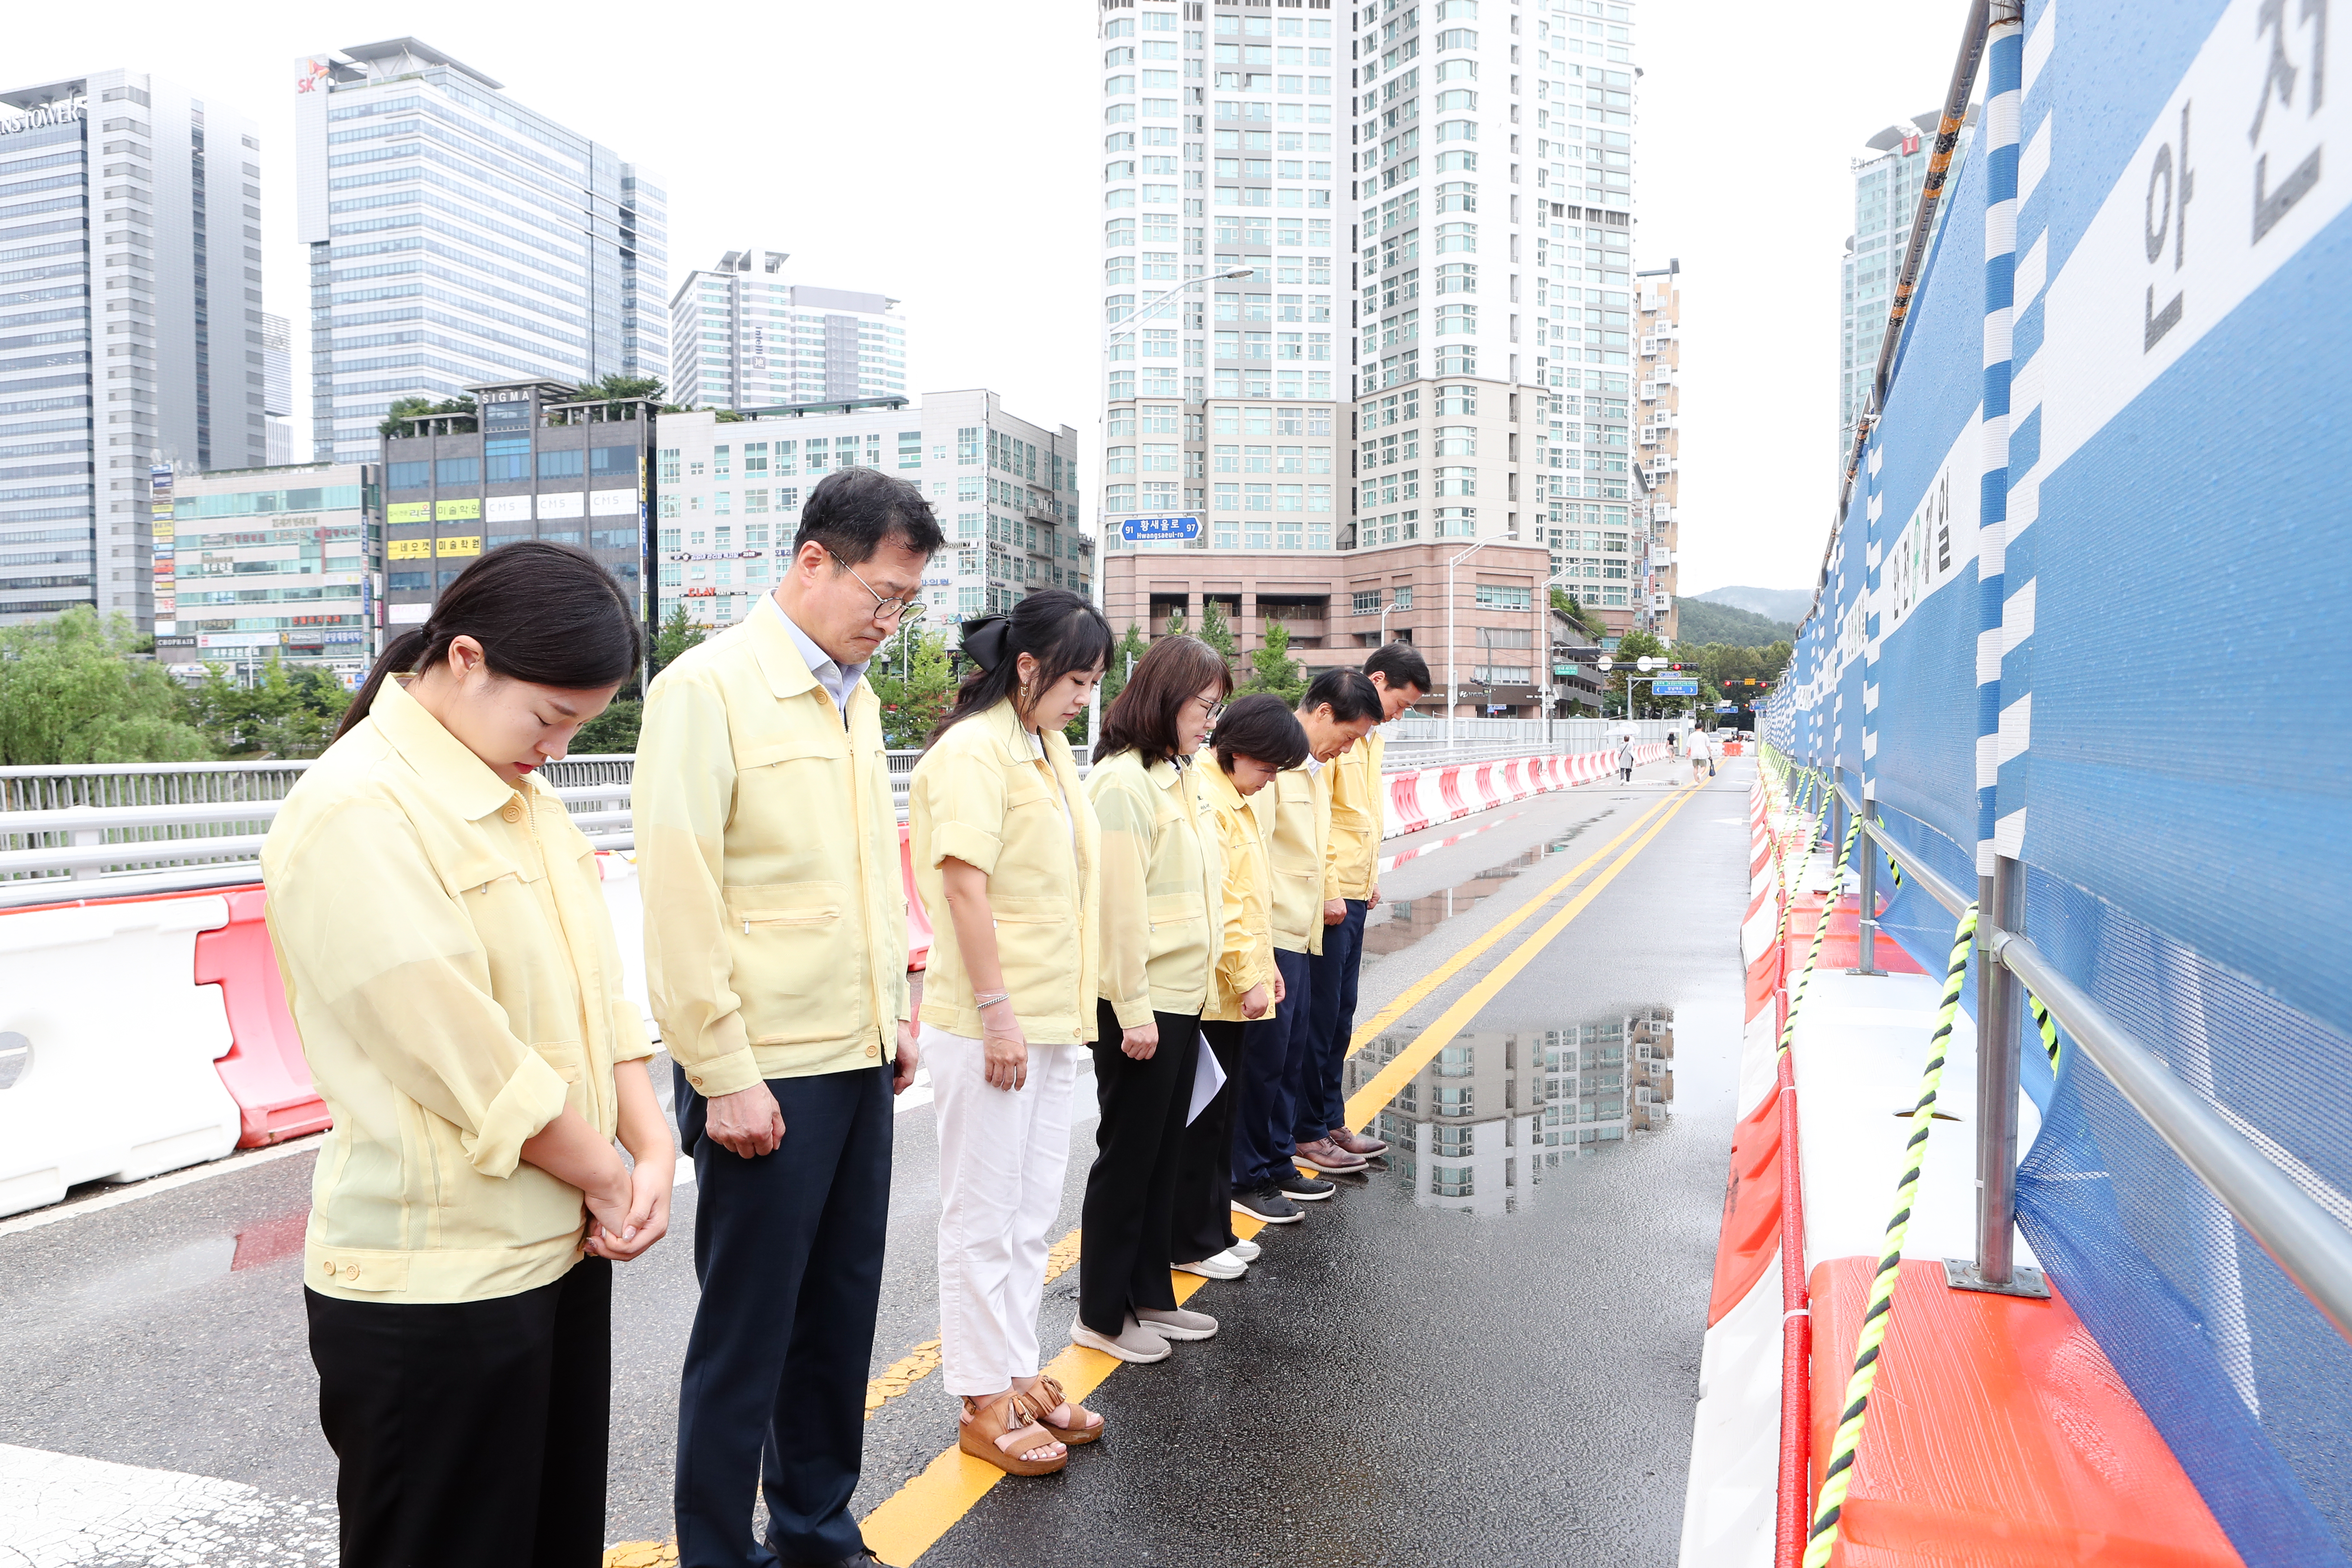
(1330, 1020)
(1273, 1064)
(788, 1248)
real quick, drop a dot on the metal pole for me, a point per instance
(1997, 1078)
(1866, 846)
(1453, 684)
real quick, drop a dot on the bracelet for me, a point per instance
(990, 999)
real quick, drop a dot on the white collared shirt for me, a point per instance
(837, 680)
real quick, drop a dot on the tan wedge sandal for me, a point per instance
(1045, 1396)
(1010, 1412)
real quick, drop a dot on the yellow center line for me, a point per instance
(1366, 1101)
(1369, 1030)
(911, 1521)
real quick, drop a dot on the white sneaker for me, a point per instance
(1246, 1251)
(1223, 1265)
(1176, 1323)
(1135, 1342)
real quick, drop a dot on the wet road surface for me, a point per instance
(1485, 1350)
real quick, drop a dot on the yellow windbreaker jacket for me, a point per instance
(768, 856)
(1159, 883)
(981, 794)
(1245, 948)
(448, 962)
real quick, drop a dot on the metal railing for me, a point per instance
(123, 830)
(2307, 1243)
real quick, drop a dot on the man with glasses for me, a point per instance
(775, 922)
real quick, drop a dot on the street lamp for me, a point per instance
(1452, 686)
(1153, 303)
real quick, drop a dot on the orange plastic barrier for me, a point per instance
(265, 1071)
(1751, 1209)
(2000, 1434)
(919, 919)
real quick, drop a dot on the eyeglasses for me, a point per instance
(904, 611)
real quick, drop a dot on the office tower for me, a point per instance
(457, 237)
(1886, 186)
(129, 309)
(741, 339)
(1005, 492)
(278, 386)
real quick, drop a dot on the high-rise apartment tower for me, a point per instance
(741, 338)
(1886, 186)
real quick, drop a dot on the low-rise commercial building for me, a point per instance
(1338, 607)
(530, 460)
(1004, 490)
(256, 563)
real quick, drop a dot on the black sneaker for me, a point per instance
(1268, 1204)
(1304, 1188)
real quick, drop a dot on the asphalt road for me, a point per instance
(1485, 1352)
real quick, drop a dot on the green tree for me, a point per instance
(72, 692)
(1215, 630)
(287, 710)
(1634, 645)
(676, 634)
(1587, 621)
(914, 702)
(395, 422)
(1273, 669)
(1130, 649)
(612, 732)
(1175, 626)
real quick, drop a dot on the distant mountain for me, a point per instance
(1704, 621)
(1787, 605)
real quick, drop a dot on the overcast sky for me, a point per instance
(949, 154)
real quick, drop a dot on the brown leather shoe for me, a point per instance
(1358, 1143)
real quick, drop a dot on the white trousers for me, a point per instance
(1003, 1156)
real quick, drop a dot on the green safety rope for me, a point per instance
(2047, 1026)
(1821, 930)
(1880, 1311)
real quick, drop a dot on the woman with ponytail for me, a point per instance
(1005, 855)
(453, 974)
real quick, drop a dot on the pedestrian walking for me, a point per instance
(1161, 877)
(776, 958)
(1625, 760)
(1007, 859)
(1258, 737)
(1339, 709)
(1702, 755)
(454, 976)
(1359, 819)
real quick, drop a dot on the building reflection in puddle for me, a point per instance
(1397, 924)
(1498, 1110)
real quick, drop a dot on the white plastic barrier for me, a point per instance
(625, 901)
(113, 1046)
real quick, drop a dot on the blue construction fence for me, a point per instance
(2084, 606)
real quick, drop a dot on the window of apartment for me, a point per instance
(968, 445)
(458, 470)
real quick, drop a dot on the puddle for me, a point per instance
(1393, 926)
(1483, 1125)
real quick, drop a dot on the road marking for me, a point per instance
(1391, 862)
(60, 1509)
(1369, 1030)
(168, 1182)
(911, 1521)
(1366, 1103)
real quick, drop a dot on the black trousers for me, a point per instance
(788, 1247)
(469, 1432)
(1202, 1224)
(1131, 1188)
